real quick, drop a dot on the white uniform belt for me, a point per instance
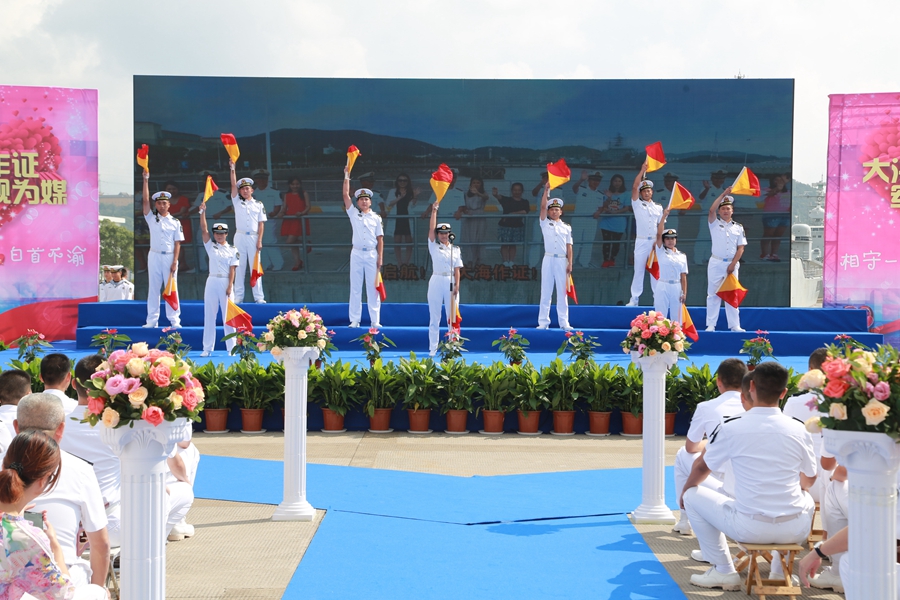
(554, 255)
(363, 248)
(669, 281)
(442, 274)
(217, 275)
(714, 257)
(765, 519)
(162, 252)
(249, 232)
(646, 237)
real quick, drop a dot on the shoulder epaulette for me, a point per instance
(799, 421)
(730, 419)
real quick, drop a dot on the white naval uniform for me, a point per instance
(102, 291)
(726, 237)
(444, 259)
(221, 258)
(271, 255)
(797, 407)
(367, 228)
(164, 232)
(248, 214)
(119, 290)
(647, 216)
(557, 236)
(584, 226)
(702, 246)
(768, 450)
(667, 295)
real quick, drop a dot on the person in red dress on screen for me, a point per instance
(296, 204)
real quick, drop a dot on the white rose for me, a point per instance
(276, 351)
(135, 367)
(321, 344)
(813, 425)
(140, 349)
(269, 336)
(301, 335)
(679, 346)
(812, 379)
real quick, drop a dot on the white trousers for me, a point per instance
(438, 296)
(684, 462)
(553, 274)
(179, 501)
(363, 268)
(667, 299)
(835, 514)
(716, 273)
(246, 246)
(214, 300)
(642, 248)
(713, 516)
(271, 255)
(158, 269)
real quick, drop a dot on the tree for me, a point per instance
(116, 245)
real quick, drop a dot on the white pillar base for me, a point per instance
(653, 515)
(294, 511)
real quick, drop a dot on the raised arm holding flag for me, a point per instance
(365, 258)
(647, 215)
(728, 242)
(557, 263)
(443, 287)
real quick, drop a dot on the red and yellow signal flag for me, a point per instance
(681, 198)
(653, 264)
(455, 318)
(731, 291)
(238, 318)
(352, 154)
(746, 184)
(656, 158)
(170, 294)
(379, 287)
(256, 271)
(440, 181)
(687, 325)
(143, 157)
(558, 173)
(570, 289)
(210, 189)
(231, 147)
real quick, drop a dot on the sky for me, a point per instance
(827, 47)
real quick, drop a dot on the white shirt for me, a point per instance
(101, 294)
(5, 438)
(557, 235)
(221, 258)
(672, 263)
(119, 290)
(647, 216)
(796, 407)
(444, 257)
(8, 414)
(587, 201)
(75, 499)
(726, 237)
(83, 441)
(165, 233)
(69, 404)
(269, 198)
(709, 414)
(248, 214)
(768, 450)
(367, 228)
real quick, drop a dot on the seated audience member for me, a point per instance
(773, 460)
(707, 416)
(56, 373)
(75, 500)
(182, 466)
(14, 385)
(32, 562)
(835, 513)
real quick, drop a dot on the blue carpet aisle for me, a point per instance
(390, 534)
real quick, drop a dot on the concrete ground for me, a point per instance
(238, 552)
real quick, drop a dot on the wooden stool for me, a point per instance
(815, 535)
(755, 583)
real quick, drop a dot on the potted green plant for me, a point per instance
(580, 347)
(563, 390)
(254, 393)
(693, 386)
(337, 391)
(381, 389)
(628, 395)
(419, 378)
(671, 400)
(497, 386)
(757, 348)
(458, 382)
(219, 385)
(513, 346)
(595, 386)
(529, 397)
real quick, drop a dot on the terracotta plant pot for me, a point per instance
(251, 419)
(333, 421)
(670, 423)
(381, 420)
(319, 364)
(563, 421)
(632, 425)
(457, 419)
(530, 423)
(418, 419)
(216, 418)
(598, 422)
(493, 420)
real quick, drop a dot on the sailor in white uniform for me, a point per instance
(443, 286)
(104, 285)
(365, 258)
(728, 243)
(671, 289)
(647, 215)
(119, 288)
(249, 222)
(557, 263)
(165, 245)
(223, 262)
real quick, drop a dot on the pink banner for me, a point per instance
(862, 209)
(49, 207)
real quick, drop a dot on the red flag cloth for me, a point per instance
(170, 294)
(231, 146)
(456, 325)
(687, 325)
(352, 154)
(570, 289)
(746, 184)
(256, 271)
(379, 287)
(558, 173)
(143, 157)
(653, 264)
(731, 291)
(440, 181)
(238, 318)
(656, 158)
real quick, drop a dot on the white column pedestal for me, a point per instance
(872, 460)
(653, 507)
(142, 451)
(295, 506)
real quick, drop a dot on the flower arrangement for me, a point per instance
(513, 346)
(109, 340)
(31, 345)
(142, 384)
(579, 346)
(451, 347)
(372, 346)
(294, 329)
(856, 388)
(245, 344)
(758, 348)
(651, 333)
(172, 342)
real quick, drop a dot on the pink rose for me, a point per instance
(646, 334)
(96, 405)
(835, 368)
(153, 354)
(569, 334)
(189, 399)
(153, 415)
(160, 375)
(836, 388)
(115, 385)
(130, 384)
(664, 330)
(882, 391)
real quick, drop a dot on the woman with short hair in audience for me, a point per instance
(31, 559)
